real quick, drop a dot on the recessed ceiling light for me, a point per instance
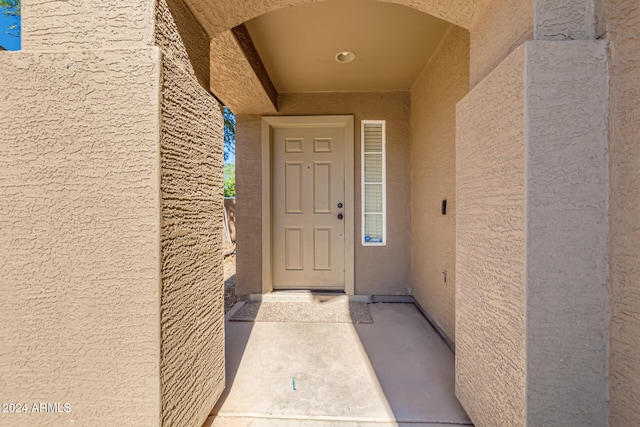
(345, 56)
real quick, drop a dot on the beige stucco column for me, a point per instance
(563, 20)
(106, 200)
(566, 187)
(567, 192)
(532, 230)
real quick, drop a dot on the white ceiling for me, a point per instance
(392, 44)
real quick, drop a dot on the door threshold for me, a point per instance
(308, 296)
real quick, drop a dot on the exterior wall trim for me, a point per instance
(270, 123)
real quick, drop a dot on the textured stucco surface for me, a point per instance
(233, 79)
(560, 347)
(222, 15)
(490, 247)
(79, 276)
(567, 227)
(241, 33)
(168, 38)
(565, 19)
(502, 27)
(192, 321)
(434, 95)
(378, 270)
(249, 206)
(182, 38)
(623, 26)
(86, 24)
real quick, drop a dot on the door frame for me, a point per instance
(273, 122)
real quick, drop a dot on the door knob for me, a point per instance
(339, 205)
(340, 216)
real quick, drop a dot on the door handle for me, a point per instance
(340, 216)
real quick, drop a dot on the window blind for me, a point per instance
(373, 183)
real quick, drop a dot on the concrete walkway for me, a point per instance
(394, 372)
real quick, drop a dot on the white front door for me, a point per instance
(308, 231)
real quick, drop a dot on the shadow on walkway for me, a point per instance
(394, 371)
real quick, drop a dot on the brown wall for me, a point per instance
(191, 312)
(182, 39)
(222, 15)
(463, 59)
(230, 208)
(531, 294)
(567, 232)
(490, 247)
(434, 95)
(623, 26)
(502, 27)
(110, 249)
(378, 270)
(87, 25)
(79, 258)
(249, 205)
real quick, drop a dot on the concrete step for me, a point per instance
(230, 421)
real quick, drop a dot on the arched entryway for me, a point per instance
(467, 137)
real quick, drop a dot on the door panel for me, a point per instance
(294, 248)
(322, 248)
(293, 187)
(308, 184)
(322, 188)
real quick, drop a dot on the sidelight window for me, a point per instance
(374, 204)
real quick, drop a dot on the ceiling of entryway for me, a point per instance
(392, 44)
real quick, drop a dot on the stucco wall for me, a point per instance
(234, 80)
(167, 37)
(567, 228)
(434, 95)
(181, 38)
(502, 27)
(566, 19)
(86, 24)
(192, 320)
(223, 15)
(191, 312)
(79, 276)
(559, 262)
(249, 207)
(378, 270)
(490, 247)
(111, 283)
(623, 26)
